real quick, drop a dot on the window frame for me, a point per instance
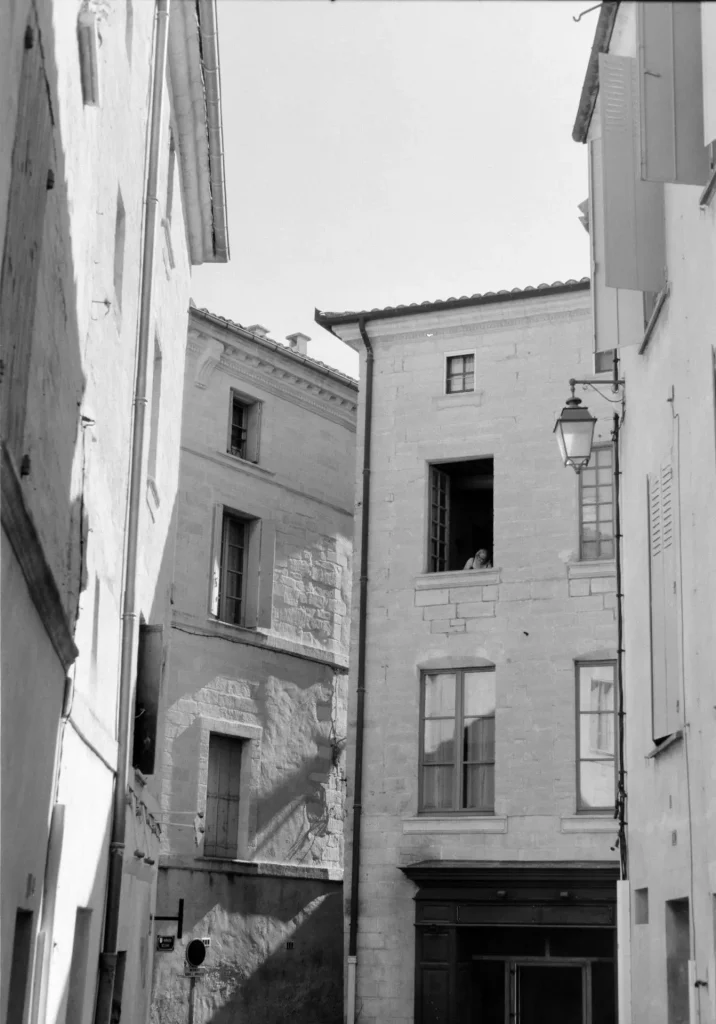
(252, 407)
(578, 665)
(581, 505)
(458, 762)
(463, 353)
(260, 551)
(228, 519)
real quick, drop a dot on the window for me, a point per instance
(242, 560)
(460, 373)
(78, 964)
(119, 231)
(221, 828)
(171, 169)
(457, 748)
(461, 508)
(596, 772)
(596, 506)
(678, 951)
(20, 966)
(244, 418)
(156, 403)
(233, 566)
(150, 662)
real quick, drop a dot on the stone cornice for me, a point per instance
(18, 524)
(274, 372)
(468, 322)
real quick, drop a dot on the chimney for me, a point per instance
(298, 342)
(259, 330)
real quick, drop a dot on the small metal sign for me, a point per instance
(165, 943)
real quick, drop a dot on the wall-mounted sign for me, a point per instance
(165, 943)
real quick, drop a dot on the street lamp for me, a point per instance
(575, 432)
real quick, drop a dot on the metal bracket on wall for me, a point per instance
(179, 919)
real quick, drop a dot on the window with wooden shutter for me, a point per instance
(671, 98)
(242, 569)
(616, 311)
(150, 663)
(21, 259)
(634, 238)
(221, 828)
(665, 672)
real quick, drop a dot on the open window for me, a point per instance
(150, 661)
(244, 423)
(460, 514)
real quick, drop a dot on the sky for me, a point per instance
(394, 151)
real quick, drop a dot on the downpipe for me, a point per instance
(352, 964)
(111, 966)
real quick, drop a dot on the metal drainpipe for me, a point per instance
(109, 994)
(360, 688)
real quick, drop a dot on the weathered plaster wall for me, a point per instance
(531, 616)
(251, 973)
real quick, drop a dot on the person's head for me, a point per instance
(481, 557)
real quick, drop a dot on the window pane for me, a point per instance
(604, 476)
(596, 735)
(589, 549)
(478, 789)
(437, 788)
(479, 739)
(596, 687)
(469, 364)
(596, 784)
(589, 513)
(439, 695)
(479, 693)
(439, 743)
(606, 530)
(606, 549)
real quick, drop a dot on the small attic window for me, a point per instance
(459, 373)
(244, 426)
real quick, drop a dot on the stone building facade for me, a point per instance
(253, 713)
(655, 79)
(486, 866)
(76, 120)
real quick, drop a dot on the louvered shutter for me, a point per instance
(21, 260)
(671, 93)
(265, 577)
(634, 241)
(708, 62)
(618, 314)
(221, 835)
(656, 603)
(669, 512)
(663, 580)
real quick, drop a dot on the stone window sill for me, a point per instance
(589, 570)
(453, 824)
(605, 822)
(457, 578)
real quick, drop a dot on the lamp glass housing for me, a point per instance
(575, 433)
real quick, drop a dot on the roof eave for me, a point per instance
(196, 100)
(590, 87)
(331, 320)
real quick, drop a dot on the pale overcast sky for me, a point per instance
(392, 151)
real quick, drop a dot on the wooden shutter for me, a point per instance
(618, 314)
(31, 155)
(634, 240)
(663, 567)
(433, 988)
(221, 836)
(215, 570)
(708, 64)
(671, 93)
(265, 576)
(150, 663)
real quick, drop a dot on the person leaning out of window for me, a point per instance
(480, 560)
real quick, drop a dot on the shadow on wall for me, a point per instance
(275, 954)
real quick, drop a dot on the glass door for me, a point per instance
(549, 993)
